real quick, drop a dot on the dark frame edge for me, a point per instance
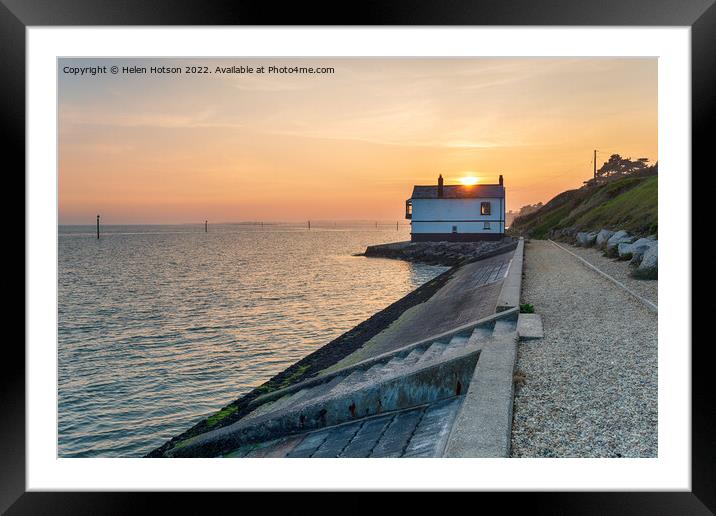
(12, 379)
(703, 105)
(12, 383)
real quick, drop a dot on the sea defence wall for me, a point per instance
(442, 253)
(512, 286)
(421, 374)
(437, 381)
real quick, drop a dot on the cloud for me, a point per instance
(203, 119)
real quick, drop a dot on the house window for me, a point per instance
(454, 229)
(486, 225)
(408, 209)
(484, 208)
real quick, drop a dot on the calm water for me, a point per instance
(160, 326)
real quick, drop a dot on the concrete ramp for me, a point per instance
(415, 432)
(405, 383)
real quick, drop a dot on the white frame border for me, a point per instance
(671, 470)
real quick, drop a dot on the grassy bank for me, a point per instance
(629, 203)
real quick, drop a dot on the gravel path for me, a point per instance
(591, 383)
(619, 270)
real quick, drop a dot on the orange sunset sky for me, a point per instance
(343, 146)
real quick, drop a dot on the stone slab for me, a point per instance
(529, 326)
(511, 291)
(484, 424)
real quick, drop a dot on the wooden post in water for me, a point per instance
(97, 226)
(206, 226)
(309, 225)
(396, 225)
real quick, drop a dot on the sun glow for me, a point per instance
(468, 180)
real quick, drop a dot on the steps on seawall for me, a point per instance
(434, 369)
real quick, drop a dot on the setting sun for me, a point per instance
(193, 149)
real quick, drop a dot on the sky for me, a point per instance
(348, 145)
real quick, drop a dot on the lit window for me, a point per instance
(484, 208)
(408, 209)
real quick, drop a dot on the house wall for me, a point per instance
(438, 216)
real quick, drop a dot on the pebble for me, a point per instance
(591, 382)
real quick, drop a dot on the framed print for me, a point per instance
(427, 235)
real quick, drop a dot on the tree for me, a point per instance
(530, 208)
(618, 166)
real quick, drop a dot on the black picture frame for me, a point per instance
(17, 15)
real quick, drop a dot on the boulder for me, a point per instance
(637, 250)
(625, 250)
(586, 239)
(620, 237)
(649, 266)
(602, 237)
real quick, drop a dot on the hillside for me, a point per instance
(628, 203)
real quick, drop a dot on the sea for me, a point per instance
(159, 326)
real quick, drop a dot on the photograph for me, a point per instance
(358, 257)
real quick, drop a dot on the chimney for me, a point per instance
(440, 185)
(501, 180)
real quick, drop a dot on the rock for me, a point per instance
(602, 237)
(586, 239)
(635, 250)
(620, 237)
(649, 266)
(441, 253)
(563, 234)
(625, 250)
(638, 248)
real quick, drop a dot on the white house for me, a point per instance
(456, 213)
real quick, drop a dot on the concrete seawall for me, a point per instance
(512, 286)
(429, 365)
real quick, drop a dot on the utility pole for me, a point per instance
(595, 163)
(98, 226)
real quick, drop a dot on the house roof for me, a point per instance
(458, 191)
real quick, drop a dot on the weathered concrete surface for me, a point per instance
(415, 387)
(484, 424)
(470, 294)
(529, 326)
(512, 285)
(317, 361)
(465, 338)
(415, 432)
(437, 368)
(467, 294)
